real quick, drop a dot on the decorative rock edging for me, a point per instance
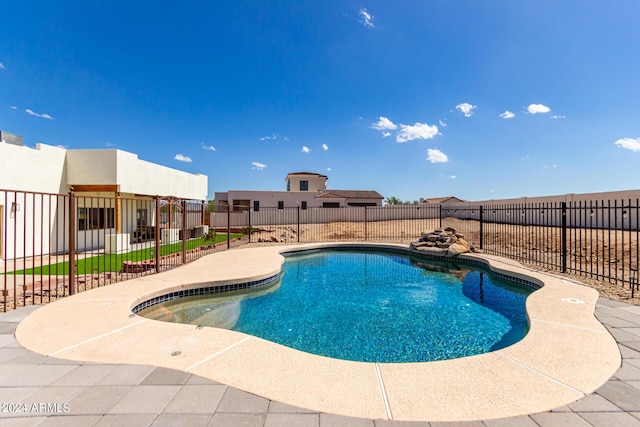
(448, 240)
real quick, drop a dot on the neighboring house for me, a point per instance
(116, 194)
(304, 189)
(451, 200)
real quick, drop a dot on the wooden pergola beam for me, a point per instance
(96, 188)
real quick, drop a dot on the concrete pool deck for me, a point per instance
(566, 356)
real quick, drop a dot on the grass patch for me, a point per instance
(113, 262)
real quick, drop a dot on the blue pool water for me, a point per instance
(369, 306)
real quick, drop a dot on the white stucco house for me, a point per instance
(116, 192)
(304, 190)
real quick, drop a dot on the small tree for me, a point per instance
(393, 201)
(210, 236)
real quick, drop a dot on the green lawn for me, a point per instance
(113, 262)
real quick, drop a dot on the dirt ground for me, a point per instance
(601, 259)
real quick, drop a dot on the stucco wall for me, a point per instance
(315, 182)
(40, 219)
(142, 177)
(32, 223)
(614, 209)
(571, 197)
(26, 169)
(291, 199)
(134, 176)
(323, 215)
(270, 199)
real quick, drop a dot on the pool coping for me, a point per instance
(566, 355)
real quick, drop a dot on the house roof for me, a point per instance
(305, 173)
(348, 194)
(443, 199)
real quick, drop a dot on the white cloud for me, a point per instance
(258, 166)
(417, 131)
(1, 66)
(558, 117)
(443, 124)
(366, 18)
(384, 124)
(452, 176)
(507, 115)
(182, 158)
(306, 149)
(273, 136)
(208, 147)
(386, 134)
(538, 108)
(629, 143)
(325, 147)
(329, 169)
(466, 109)
(436, 156)
(33, 113)
(13, 107)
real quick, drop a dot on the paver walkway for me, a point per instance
(37, 390)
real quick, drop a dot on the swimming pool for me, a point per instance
(566, 354)
(368, 306)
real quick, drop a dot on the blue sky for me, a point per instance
(477, 99)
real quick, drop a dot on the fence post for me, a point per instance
(156, 235)
(202, 212)
(563, 237)
(298, 224)
(249, 221)
(228, 227)
(481, 217)
(365, 223)
(72, 242)
(440, 216)
(184, 231)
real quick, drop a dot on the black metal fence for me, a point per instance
(53, 245)
(595, 239)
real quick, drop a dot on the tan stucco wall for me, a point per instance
(315, 182)
(571, 197)
(270, 199)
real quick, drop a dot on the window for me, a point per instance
(280, 205)
(95, 218)
(288, 185)
(256, 205)
(330, 204)
(241, 205)
(304, 205)
(304, 185)
(141, 218)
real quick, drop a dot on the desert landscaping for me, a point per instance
(592, 254)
